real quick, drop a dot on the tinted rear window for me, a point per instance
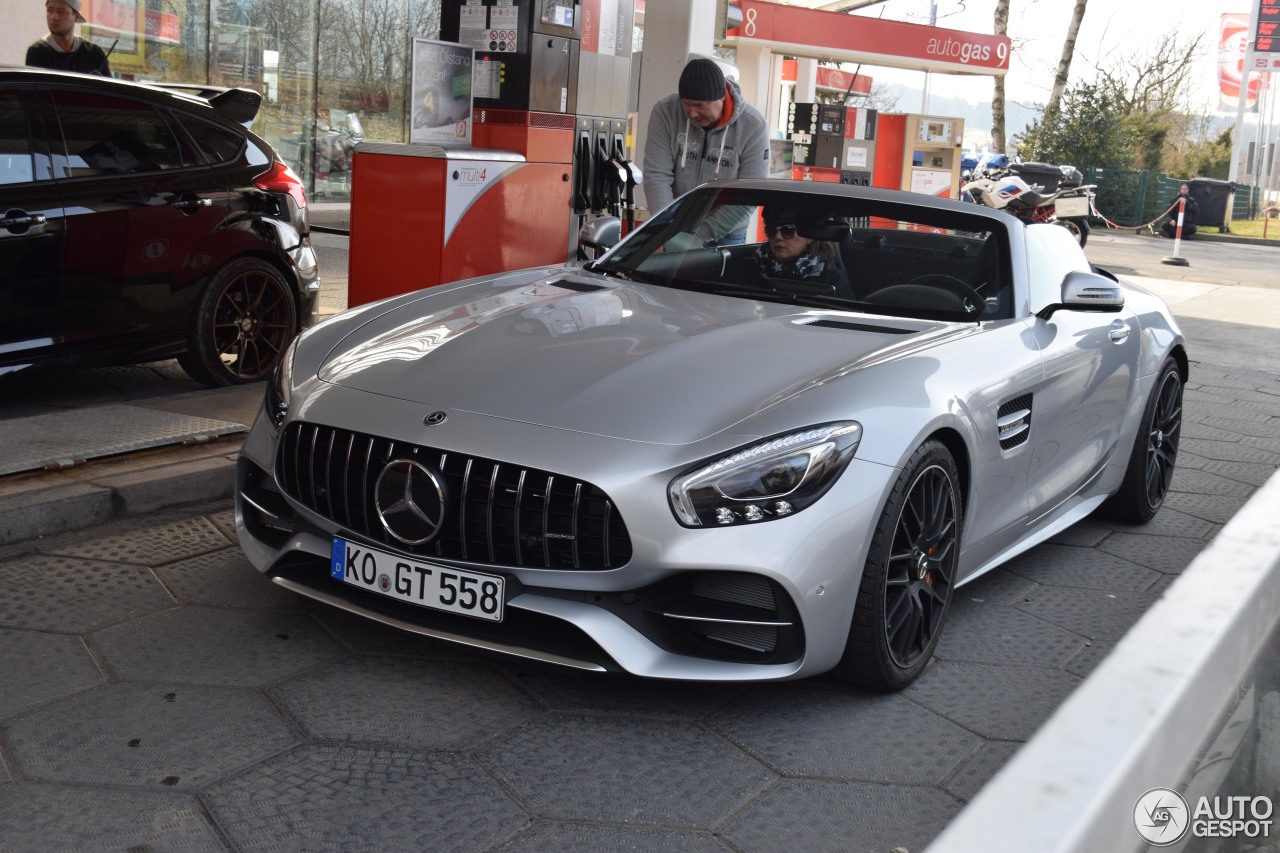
(218, 144)
(107, 135)
(15, 141)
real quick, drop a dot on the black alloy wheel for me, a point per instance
(921, 563)
(1149, 474)
(1162, 438)
(242, 325)
(909, 575)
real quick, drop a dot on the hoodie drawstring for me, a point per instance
(684, 148)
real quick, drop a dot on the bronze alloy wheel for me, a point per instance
(245, 320)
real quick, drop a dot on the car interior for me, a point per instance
(910, 260)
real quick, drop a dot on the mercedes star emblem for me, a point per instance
(435, 419)
(410, 501)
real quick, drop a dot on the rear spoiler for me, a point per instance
(237, 104)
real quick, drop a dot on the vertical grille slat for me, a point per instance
(493, 500)
(346, 479)
(328, 471)
(462, 507)
(366, 506)
(332, 473)
(312, 475)
(573, 530)
(608, 542)
(515, 527)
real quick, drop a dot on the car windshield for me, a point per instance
(825, 250)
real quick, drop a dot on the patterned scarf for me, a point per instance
(803, 266)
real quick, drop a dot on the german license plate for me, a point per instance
(417, 582)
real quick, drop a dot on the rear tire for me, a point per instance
(243, 322)
(1155, 450)
(1079, 228)
(909, 575)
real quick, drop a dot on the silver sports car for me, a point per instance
(764, 436)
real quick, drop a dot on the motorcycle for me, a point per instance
(1035, 192)
(328, 158)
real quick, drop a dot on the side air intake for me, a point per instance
(1013, 422)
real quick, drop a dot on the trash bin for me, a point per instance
(1212, 197)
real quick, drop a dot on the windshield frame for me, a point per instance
(913, 245)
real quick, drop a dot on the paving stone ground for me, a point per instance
(158, 694)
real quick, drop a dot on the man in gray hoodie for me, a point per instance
(706, 131)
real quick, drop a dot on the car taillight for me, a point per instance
(281, 179)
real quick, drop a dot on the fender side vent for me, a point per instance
(1013, 422)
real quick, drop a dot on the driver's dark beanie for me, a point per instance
(701, 80)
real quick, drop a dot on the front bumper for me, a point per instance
(761, 602)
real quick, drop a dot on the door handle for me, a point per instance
(192, 204)
(1119, 332)
(18, 221)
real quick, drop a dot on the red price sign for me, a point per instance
(1266, 39)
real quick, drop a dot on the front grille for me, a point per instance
(495, 514)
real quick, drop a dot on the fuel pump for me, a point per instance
(551, 80)
(634, 177)
(605, 175)
(604, 79)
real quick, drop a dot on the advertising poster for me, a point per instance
(1233, 38)
(120, 23)
(441, 93)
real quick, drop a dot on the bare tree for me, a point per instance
(1068, 53)
(1154, 98)
(1000, 28)
(1160, 79)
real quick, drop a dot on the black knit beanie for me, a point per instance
(701, 80)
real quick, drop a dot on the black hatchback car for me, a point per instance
(140, 223)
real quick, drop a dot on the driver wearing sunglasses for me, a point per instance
(788, 254)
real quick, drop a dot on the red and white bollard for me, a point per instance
(1176, 259)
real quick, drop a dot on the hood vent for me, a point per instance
(577, 286)
(849, 326)
(1013, 422)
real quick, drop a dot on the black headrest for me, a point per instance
(831, 229)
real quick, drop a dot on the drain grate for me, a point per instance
(64, 439)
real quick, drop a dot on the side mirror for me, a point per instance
(599, 235)
(1086, 291)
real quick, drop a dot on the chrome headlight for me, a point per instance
(279, 387)
(769, 480)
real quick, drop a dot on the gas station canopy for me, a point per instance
(815, 33)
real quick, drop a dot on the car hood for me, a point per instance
(630, 361)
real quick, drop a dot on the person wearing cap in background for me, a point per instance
(704, 132)
(62, 49)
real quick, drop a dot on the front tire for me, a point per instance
(1079, 229)
(909, 575)
(243, 322)
(1155, 451)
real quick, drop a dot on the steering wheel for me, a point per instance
(972, 299)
